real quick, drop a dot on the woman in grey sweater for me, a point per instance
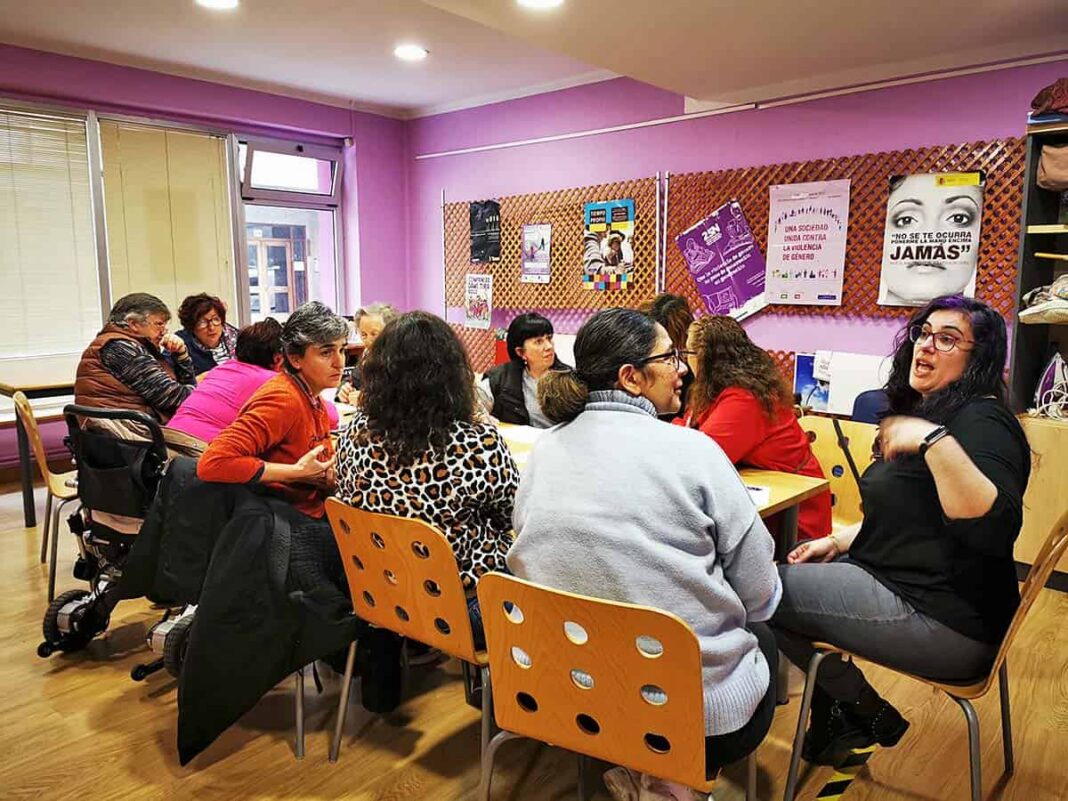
(669, 525)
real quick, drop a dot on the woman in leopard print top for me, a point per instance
(414, 450)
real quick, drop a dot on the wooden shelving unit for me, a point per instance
(1043, 255)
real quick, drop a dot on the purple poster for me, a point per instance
(725, 263)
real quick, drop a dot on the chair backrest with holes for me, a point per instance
(611, 680)
(845, 494)
(403, 577)
(33, 434)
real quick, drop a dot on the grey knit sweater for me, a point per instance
(621, 506)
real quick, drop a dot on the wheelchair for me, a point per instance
(120, 456)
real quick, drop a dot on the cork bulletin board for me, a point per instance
(691, 197)
(563, 299)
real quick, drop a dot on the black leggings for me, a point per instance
(725, 749)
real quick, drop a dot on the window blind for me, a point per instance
(50, 298)
(166, 200)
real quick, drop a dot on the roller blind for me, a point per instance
(50, 301)
(166, 200)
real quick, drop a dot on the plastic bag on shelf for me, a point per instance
(1047, 304)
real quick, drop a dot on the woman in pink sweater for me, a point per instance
(219, 398)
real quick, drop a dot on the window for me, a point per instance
(290, 193)
(50, 303)
(166, 196)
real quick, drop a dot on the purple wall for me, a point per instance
(970, 108)
(379, 150)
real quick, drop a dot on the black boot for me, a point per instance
(877, 718)
(831, 732)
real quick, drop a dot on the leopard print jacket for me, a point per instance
(467, 490)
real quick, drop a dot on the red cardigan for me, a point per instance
(280, 423)
(737, 421)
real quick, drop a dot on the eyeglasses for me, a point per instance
(943, 342)
(210, 322)
(675, 357)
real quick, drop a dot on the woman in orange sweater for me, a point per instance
(281, 438)
(739, 398)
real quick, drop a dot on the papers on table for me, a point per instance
(761, 495)
(520, 435)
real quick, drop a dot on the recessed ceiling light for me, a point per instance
(410, 52)
(218, 5)
(540, 5)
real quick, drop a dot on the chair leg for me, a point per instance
(300, 713)
(751, 777)
(343, 702)
(44, 528)
(583, 766)
(485, 784)
(487, 712)
(57, 512)
(1006, 717)
(802, 719)
(973, 747)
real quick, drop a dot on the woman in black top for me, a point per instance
(926, 582)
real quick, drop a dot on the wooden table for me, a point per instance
(786, 492)
(38, 377)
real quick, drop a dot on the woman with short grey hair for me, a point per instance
(282, 436)
(370, 320)
(125, 366)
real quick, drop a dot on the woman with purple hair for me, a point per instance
(926, 583)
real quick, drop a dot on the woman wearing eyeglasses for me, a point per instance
(740, 399)
(617, 505)
(205, 332)
(926, 583)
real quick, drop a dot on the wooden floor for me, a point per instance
(76, 726)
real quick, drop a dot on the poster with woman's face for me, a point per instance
(931, 245)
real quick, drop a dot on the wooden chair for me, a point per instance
(61, 487)
(1052, 550)
(403, 576)
(608, 680)
(859, 438)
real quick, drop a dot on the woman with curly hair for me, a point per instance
(740, 399)
(205, 332)
(926, 583)
(414, 448)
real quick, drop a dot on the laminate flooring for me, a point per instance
(76, 726)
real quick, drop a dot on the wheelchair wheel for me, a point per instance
(54, 638)
(175, 645)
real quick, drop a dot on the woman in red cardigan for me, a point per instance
(740, 399)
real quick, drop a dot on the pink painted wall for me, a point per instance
(970, 108)
(376, 163)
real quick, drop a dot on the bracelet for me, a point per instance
(932, 438)
(834, 542)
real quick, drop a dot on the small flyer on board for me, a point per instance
(607, 245)
(485, 231)
(725, 263)
(478, 301)
(534, 267)
(807, 243)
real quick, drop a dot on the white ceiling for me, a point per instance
(744, 51)
(332, 51)
(719, 51)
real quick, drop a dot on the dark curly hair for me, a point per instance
(672, 312)
(417, 382)
(982, 376)
(727, 357)
(196, 306)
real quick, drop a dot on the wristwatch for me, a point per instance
(932, 438)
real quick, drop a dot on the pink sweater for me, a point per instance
(217, 399)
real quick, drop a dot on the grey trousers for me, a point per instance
(842, 604)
